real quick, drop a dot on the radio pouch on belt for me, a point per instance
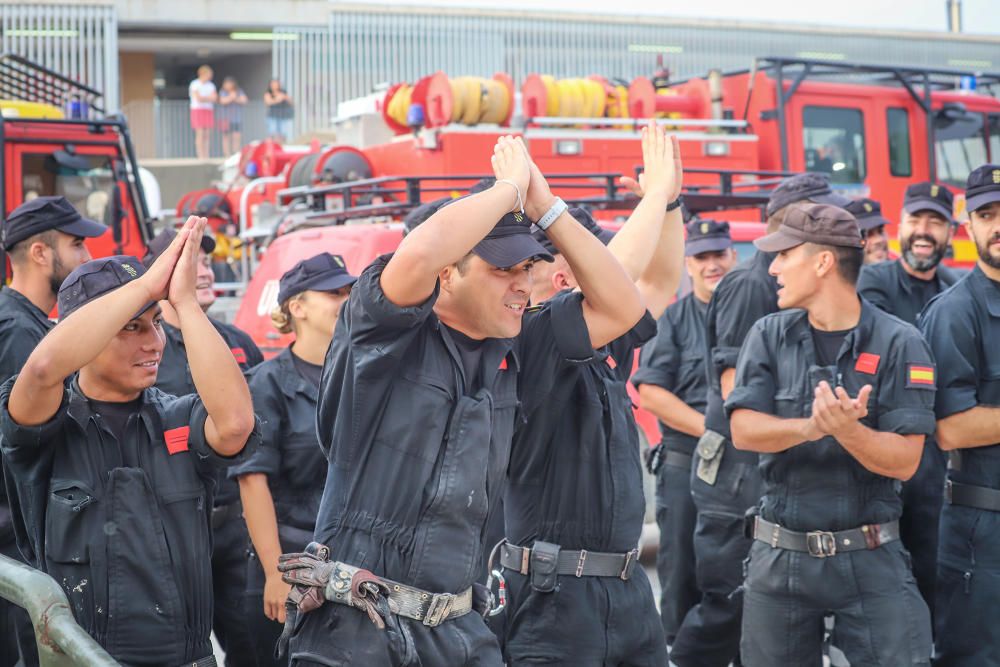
(544, 564)
(750, 521)
(710, 450)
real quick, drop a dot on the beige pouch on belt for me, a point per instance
(710, 449)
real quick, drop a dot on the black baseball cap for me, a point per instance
(707, 236)
(44, 213)
(163, 240)
(813, 223)
(323, 273)
(510, 242)
(584, 217)
(96, 278)
(927, 196)
(805, 187)
(982, 187)
(867, 212)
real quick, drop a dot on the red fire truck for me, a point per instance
(56, 140)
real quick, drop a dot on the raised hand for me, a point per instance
(510, 163)
(835, 410)
(662, 168)
(157, 277)
(182, 282)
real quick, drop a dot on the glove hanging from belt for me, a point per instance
(316, 579)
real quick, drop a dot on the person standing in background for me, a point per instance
(232, 99)
(203, 96)
(280, 112)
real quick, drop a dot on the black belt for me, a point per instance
(223, 513)
(581, 563)
(968, 495)
(822, 543)
(678, 459)
(203, 662)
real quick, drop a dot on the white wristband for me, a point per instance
(552, 214)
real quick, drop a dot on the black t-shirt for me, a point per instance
(116, 414)
(923, 290)
(309, 372)
(471, 352)
(828, 345)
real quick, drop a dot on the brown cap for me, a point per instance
(813, 223)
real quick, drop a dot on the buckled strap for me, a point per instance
(678, 459)
(576, 563)
(969, 495)
(822, 543)
(431, 609)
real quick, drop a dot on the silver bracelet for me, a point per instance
(517, 190)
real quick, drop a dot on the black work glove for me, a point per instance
(654, 458)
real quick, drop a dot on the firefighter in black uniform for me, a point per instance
(44, 239)
(962, 326)
(416, 414)
(113, 478)
(574, 504)
(902, 288)
(281, 484)
(868, 213)
(672, 383)
(725, 481)
(229, 533)
(829, 392)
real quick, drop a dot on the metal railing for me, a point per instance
(61, 642)
(162, 128)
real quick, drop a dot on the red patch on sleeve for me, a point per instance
(503, 364)
(867, 363)
(612, 364)
(177, 439)
(240, 354)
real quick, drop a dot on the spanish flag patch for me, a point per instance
(920, 376)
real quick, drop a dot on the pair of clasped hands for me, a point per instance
(173, 275)
(834, 412)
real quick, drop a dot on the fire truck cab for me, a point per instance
(55, 140)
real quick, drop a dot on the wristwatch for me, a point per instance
(552, 214)
(675, 204)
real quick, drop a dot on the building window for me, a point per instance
(834, 140)
(897, 122)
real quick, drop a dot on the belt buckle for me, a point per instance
(579, 563)
(630, 558)
(438, 609)
(947, 491)
(821, 543)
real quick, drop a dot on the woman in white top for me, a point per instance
(203, 95)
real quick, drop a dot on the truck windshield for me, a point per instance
(959, 145)
(87, 181)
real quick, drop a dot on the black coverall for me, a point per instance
(576, 481)
(416, 462)
(879, 616)
(888, 286)
(285, 403)
(675, 361)
(229, 531)
(22, 327)
(962, 327)
(121, 520)
(709, 636)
